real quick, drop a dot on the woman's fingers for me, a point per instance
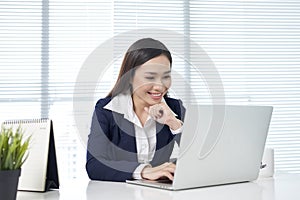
(161, 171)
(164, 115)
(160, 112)
(168, 175)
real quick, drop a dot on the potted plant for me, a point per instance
(13, 153)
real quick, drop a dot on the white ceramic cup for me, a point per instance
(267, 168)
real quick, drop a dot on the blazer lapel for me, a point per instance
(126, 133)
(164, 145)
(162, 136)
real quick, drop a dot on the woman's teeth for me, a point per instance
(155, 94)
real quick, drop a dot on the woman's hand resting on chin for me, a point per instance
(164, 115)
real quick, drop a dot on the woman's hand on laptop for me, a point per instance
(165, 170)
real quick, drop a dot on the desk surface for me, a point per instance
(281, 187)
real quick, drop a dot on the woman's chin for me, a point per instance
(153, 102)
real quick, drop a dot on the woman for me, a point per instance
(134, 128)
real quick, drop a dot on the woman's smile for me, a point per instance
(155, 96)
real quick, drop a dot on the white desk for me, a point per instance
(281, 187)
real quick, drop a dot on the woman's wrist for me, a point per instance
(174, 123)
(144, 171)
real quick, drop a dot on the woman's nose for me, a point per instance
(158, 86)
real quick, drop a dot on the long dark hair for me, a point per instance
(138, 53)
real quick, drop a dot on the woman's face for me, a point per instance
(151, 81)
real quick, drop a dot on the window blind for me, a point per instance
(253, 44)
(76, 28)
(255, 47)
(20, 59)
(144, 17)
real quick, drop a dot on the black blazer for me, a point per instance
(112, 153)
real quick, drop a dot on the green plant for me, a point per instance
(13, 150)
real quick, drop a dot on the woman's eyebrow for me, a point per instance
(151, 73)
(154, 73)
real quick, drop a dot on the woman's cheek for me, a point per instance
(167, 83)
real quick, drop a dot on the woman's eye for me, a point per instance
(167, 77)
(149, 78)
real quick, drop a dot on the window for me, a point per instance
(20, 58)
(253, 44)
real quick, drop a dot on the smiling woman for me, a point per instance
(135, 127)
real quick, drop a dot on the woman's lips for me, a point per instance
(155, 96)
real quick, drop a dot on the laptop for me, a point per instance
(220, 144)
